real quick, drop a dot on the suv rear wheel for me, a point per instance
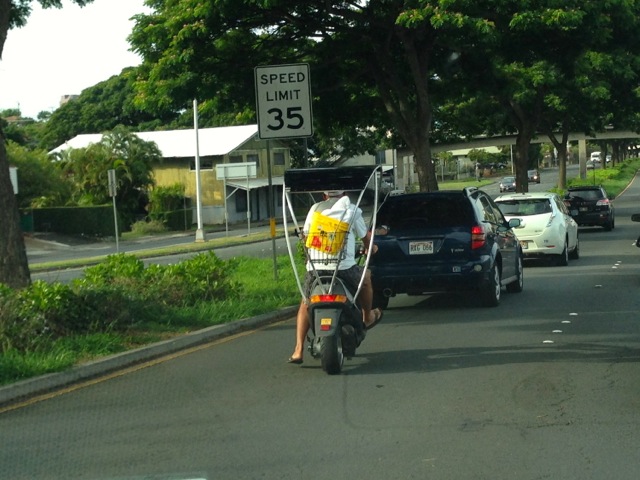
(610, 225)
(490, 293)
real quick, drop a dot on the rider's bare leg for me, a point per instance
(302, 327)
(366, 300)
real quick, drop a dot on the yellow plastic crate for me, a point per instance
(326, 234)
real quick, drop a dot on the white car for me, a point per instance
(546, 227)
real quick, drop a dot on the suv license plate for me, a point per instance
(421, 248)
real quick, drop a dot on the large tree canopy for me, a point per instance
(101, 108)
(393, 64)
(14, 266)
(372, 62)
(543, 68)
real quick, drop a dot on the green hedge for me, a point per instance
(89, 221)
(175, 220)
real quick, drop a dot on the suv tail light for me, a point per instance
(478, 237)
(604, 202)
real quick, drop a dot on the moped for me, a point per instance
(336, 326)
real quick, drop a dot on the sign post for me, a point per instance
(113, 190)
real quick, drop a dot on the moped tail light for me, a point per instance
(328, 298)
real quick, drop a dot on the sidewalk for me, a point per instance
(52, 247)
(48, 241)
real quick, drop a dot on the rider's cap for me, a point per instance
(334, 193)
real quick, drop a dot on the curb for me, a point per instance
(25, 389)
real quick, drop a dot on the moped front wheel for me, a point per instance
(331, 355)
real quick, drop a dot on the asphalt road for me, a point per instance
(545, 386)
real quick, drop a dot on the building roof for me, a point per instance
(181, 143)
(252, 183)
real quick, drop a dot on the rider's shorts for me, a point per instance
(351, 276)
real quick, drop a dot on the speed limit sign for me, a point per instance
(283, 100)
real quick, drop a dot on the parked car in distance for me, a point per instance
(590, 206)
(445, 242)
(534, 176)
(508, 184)
(591, 165)
(497, 165)
(596, 157)
(546, 227)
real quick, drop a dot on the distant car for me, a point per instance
(451, 241)
(386, 184)
(497, 166)
(546, 227)
(596, 157)
(590, 206)
(591, 165)
(534, 176)
(508, 184)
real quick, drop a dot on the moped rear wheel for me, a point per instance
(331, 355)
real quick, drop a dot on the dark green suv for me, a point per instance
(590, 206)
(446, 241)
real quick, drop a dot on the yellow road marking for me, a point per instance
(122, 372)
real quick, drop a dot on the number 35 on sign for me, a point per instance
(283, 101)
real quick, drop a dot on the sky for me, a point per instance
(63, 51)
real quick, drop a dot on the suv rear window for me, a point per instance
(591, 194)
(406, 212)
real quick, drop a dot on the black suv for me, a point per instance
(447, 241)
(590, 206)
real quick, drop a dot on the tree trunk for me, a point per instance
(406, 96)
(523, 140)
(14, 266)
(561, 147)
(562, 167)
(425, 168)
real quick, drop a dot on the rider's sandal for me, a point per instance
(376, 320)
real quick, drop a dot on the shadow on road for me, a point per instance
(429, 360)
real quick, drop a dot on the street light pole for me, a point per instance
(199, 231)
